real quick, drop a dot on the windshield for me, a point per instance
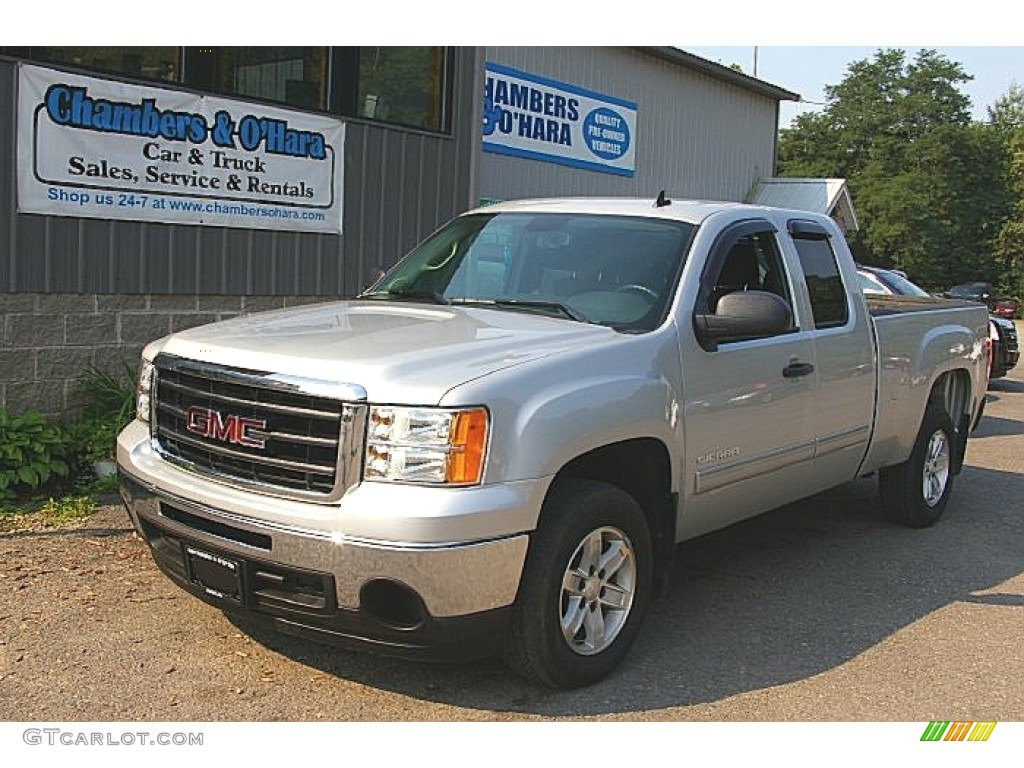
(887, 281)
(871, 284)
(903, 286)
(611, 270)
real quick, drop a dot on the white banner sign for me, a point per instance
(102, 149)
(530, 116)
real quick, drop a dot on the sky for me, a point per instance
(983, 35)
(807, 70)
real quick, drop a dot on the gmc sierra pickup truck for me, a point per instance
(497, 446)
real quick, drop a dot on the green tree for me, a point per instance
(928, 184)
(1006, 116)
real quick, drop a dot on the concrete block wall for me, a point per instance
(48, 341)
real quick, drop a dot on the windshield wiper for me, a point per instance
(563, 309)
(412, 294)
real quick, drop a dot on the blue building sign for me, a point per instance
(530, 116)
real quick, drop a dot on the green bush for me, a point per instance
(93, 439)
(31, 454)
(38, 459)
(108, 406)
(107, 396)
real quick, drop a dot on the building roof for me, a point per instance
(720, 72)
(828, 196)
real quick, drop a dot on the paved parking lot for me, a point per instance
(817, 611)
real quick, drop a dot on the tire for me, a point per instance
(575, 617)
(915, 492)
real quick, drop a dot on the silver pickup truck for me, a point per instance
(497, 446)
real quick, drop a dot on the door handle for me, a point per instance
(796, 370)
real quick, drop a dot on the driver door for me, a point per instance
(749, 428)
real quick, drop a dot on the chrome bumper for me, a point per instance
(451, 580)
(461, 551)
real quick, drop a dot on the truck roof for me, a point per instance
(691, 211)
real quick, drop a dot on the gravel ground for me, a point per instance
(90, 630)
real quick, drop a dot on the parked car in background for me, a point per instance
(1007, 308)
(1002, 331)
(1005, 346)
(887, 282)
(1000, 306)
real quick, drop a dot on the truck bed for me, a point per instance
(917, 340)
(879, 305)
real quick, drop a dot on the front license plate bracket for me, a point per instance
(217, 576)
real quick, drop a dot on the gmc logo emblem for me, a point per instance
(226, 428)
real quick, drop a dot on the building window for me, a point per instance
(289, 75)
(163, 63)
(403, 85)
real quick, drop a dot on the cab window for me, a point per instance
(824, 282)
(747, 261)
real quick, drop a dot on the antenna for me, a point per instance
(662, 201)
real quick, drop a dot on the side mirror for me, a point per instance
(743, 315)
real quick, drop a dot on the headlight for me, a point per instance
(142, 390)
(426, 445)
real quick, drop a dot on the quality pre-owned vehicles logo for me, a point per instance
(228, 428)
(532, 116)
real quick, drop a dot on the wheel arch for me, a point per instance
(952, 393)
(642, 468)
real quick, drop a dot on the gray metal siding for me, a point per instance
(8, 151)
(399, 186)
(697, 136)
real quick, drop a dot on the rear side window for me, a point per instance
(821, 274)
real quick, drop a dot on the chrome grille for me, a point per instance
(274, 433)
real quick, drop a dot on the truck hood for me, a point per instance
(399, 353)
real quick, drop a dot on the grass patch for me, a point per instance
(52, 513)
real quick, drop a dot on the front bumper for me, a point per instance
(429, 599)
(1004, 359)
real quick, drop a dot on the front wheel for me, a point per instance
(915, 492)
(585, 587)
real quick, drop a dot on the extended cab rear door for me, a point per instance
(844, 349)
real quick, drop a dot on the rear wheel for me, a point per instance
(915, 492)
(585, 587)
